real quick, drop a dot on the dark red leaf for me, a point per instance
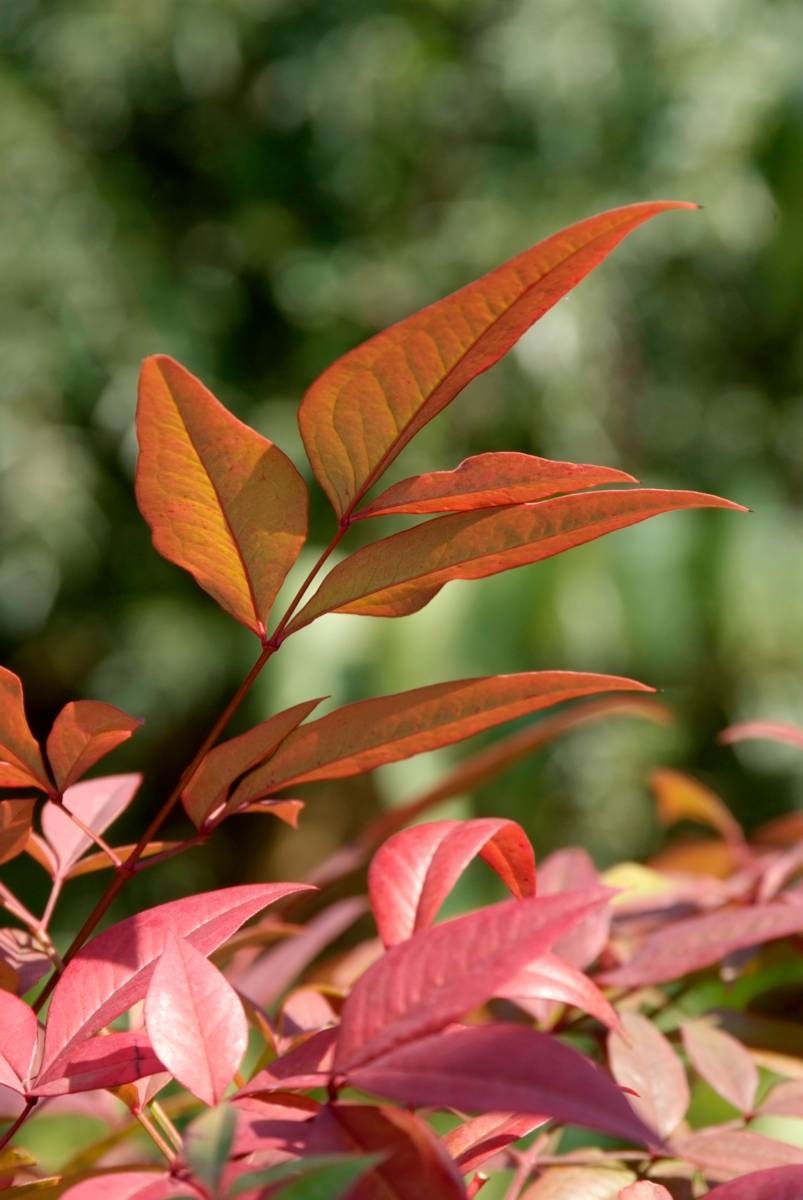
(16, 818)
(777, 1183)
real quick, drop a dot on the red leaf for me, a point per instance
(480, 1068)
(490, 481)
(681, 798)
(699, 942)
(19, 1032)
(774, 731)
(98, 802)
(363, 410)
(778, 1183)
(209, 786)
(550, 978)
(132, 1185)
(475, 1141)
(643, 1060)
(362, 736)
(222, 501)
(399, 574)
(562, 871)
(723, 1062)
(195, 1021)
(414, 1164)
(16, 818)
(644, 1190)
(84, 732)
(440, 974)
(726, 1153)
(412, 874)
(103, 1062)
(309, 1065)
(21, 762)
(113, 971)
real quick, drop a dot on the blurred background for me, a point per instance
(254, 186)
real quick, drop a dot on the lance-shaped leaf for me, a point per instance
(551, 978)
(209, 786)
(773, 731)
(438, 975)
(18, 1035)
(98, 802)
(413, 1162)
(479, 1068)
(133, 1185)
(679, 797)
(362, 736)
(723, 1063)
(643, 1060)
(113, 971)
(222, 501)
(777, 1183)
(314, 1177)
(21, 762)
(363, 410)
(490, 481)
(565, 870)
(195, 1021)
(413, 872)
(401, 573)
(84, 732)
(571, 1182)
(103, 1062)
(309, 1065)
(699, 942)
(726, 1153)
(475, 1141)
(16, 817)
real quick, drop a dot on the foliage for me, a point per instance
(432, 1016)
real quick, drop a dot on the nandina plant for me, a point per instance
(271, 1072)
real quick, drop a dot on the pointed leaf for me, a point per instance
(98, 802)
(401, 573)
(723, 1063)
(16, 818)
(479, 1068)
(490, 481)
(195, 1021)
(21, 762)
(132, 1185)
(644, 1190)
(774, 731)
(363, 410)
(209, 786)
(308, 1065)
(103, 1062)
(222, 501)
(778, 1183)
(113, 971)
(100, 861)
(568, 869)
(785, 1100)
(370, 733)
(725, 1153)
(550, 978)
(601, 1182)
(643, 1060)
(19, 1031)
(679, 797)
(84, 732)
(438, 975)
(699, 942)
(413, 1163)
(475, 1141)
(412, 874)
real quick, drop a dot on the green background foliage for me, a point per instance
(256, 185)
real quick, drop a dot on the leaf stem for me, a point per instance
(276, 637)
(30, 1105)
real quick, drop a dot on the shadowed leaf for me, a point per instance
(777, 1183)
(16, 818)
(21, 763)
(475, 1141)
(726, 1153)
(103, 1062)
(84, 732)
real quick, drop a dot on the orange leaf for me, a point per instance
(21, 762)
(15, 827)
(365, 408)
(490, 481)
(678, 797)
(361, 736)
(400, 574)
(101, 861)
(222, 501)
(773, 731)
(84, 732)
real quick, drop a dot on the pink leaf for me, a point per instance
(113, 971)
(777, 1183)
(785, 1100)
(475, 1141)
(774, 731)
(562, 871)
(309, 1065)
(481, 1068)
(22, 955)
(98, 802)
(699, 942)
(132, 1185)
(20, 758)
(103, 1062)
(642, 1059)
(413, 872)
(195, 1021)
(490, 481)
(726, 1153)
(723, 1062)
(602, 1182)
(644, 1190)
(84, 732)
(440, 974)
(550, 978)
(19, 1031)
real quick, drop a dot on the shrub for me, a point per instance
(568, 1005)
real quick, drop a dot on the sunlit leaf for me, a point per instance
(21, 763)
(643, 1060)
(16, 818)
(84, 732)
(601, 1182)
(773, 731)
(723, 1063)
(679, 797)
